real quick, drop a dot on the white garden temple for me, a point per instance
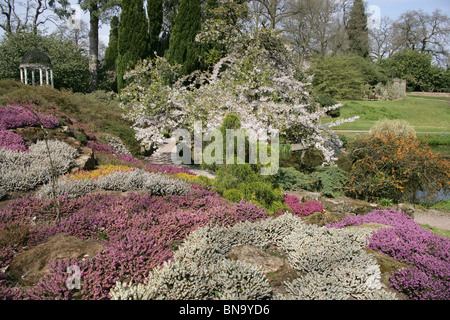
(34, 61)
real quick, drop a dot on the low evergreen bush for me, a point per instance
(330, 180)
(240, 181)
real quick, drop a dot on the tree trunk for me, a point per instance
(93, 44)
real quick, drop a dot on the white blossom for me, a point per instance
(257, 85)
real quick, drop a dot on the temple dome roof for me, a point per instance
(36, 57)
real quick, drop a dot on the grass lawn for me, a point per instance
(438, 231)
(425, 114)
(430, 97)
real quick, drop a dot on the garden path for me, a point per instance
(435, 218)
(163, 157)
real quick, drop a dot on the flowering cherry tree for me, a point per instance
(255, 81)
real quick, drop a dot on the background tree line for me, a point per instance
(330, 38)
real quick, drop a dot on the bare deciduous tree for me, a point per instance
(423, 32)
(314, 27)
(19, 14)
(381, 43)
(270, 12)
(79, 37)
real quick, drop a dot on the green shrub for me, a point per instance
(232, 175)
(386, 202)
(338, 77)
(261, 191)
(278, 206)
(326, 101)
(80, 137)
(344, 140)
(240, 181)
(329, 181)
(233, 195)
(230, 121)
(291, 179)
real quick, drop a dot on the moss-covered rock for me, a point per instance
(388, 266)
(273, 265)
(323, 218)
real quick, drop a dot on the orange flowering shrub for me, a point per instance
(103, 170)
(393, 167)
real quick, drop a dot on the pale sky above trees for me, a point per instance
(394, 8)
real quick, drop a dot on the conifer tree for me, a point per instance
(183, 48)
(111, 50)
(357, 30)
(133, 38)
(155, 20)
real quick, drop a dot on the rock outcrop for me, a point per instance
(31, 265)
(86, 160)
(274, 266)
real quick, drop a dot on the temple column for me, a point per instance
(26, 75)
(21, 75)
(46, 76)
(32, 77)
(51, 76)
(40, 76)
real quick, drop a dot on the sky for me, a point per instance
(394, 8)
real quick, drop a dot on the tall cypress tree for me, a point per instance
(107, 75)
(111, 50)
(182, 48)
(155, 20)
(358, 33)
(133, 38)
